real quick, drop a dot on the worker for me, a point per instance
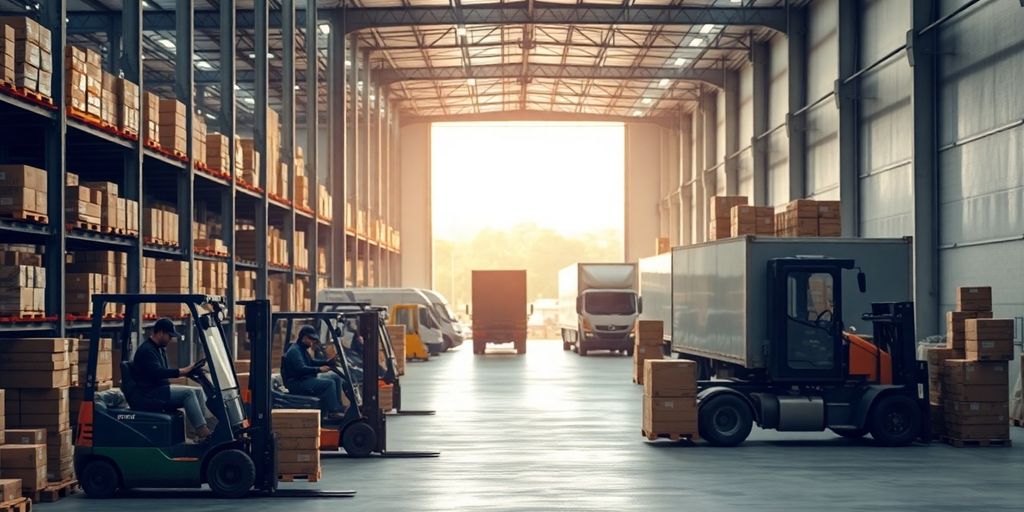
(153, 390)
(299, 371)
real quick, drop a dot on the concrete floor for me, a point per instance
(553, 431)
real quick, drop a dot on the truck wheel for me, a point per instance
(359, 439)
(629, 351)
(725, 420)
(479, 347)
(520, 347)
(566, 345)
(230, 473)
(895, 420)
(99, 479)
(849, 433)
(579, 348)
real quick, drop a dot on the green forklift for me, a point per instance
(119, 447)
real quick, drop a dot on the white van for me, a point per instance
(451, 326)
(431, 327)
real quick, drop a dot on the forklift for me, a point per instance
(819, 375)
(120, 447)
(362, 430)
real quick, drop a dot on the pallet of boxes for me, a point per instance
(10, 487)
(397, 335)
(22, 281)
(646, 346)
(36, 374)
(298, 444)
(971, 375)
(105, 372)
(23, 194)
(670, 399)
(27, 51)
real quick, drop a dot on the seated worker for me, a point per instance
(149, 367)
(299, 371)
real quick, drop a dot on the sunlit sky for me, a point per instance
(564, 176)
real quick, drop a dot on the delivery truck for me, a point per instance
(598, 306)
(499, 309)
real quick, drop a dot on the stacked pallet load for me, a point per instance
(23, 193)
(10, 488)
(245, 289)
(301, 181)
(217, 157)
(148, 310)
(301, 251)
(321, 261)
(109, 106)
(397, 335)
(302, 300)
(211, 277)
(173, 136)
(6, 55)
(246, 243)
(82, 205)
(281, 293)
(104, 373)
(129, 112)
(325, 206)
(208, 233)
(92, 272)
(719, 225)
(298, 443)
(975, 381)
(199, 141)
(33, 55)
(172, 277)
(151, 119)
(160, 224)
(247, 161)
(751, 220)
(277, 171)
(118, 215)
(84, 69)
(809, 218)
(277, 247)
(36, 375)
(647, 342)
(22, 281)
(670, 399)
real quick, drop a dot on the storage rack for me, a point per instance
(51, 140)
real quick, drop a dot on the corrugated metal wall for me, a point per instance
(778, 107)
(822, 119)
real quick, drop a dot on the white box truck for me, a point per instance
(598, 306)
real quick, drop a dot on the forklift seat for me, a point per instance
(141, 403)
(112, 402)
(283, 399)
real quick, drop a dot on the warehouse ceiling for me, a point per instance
(436, 71)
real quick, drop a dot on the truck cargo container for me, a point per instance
(499, 309)
(656, 292)
(598, 306)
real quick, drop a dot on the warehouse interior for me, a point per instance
(277, 150)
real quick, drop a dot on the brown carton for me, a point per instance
(974, 298)
(25, 436)
(957, 392)
(971, 372)
(996, 350)
(670, 378)
(32, 479)
(676, 415)
(296, 419)
(989, 329)
(22, 456)
(976, 408)
(10, 490)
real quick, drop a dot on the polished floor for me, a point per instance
(553, 431)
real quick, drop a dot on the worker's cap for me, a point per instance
(165, 325)
(309, 330)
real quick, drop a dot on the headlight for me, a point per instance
(587, 327)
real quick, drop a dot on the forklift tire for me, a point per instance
(895, 420)
(849, 433)
(359, 439)
(566, 345)
(231, 474)
(580, 350)
(99, 479)
(629, 351)
(725, 420)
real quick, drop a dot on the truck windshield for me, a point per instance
(427, 319)
(443, 312)
(611, 303)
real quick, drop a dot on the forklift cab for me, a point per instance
(412, 316)
(123, 446)
(805, 320)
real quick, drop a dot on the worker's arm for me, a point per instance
(297, 364)
(149, 364)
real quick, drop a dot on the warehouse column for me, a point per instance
(796, 124)
(383, 182)
(260, 43)
(227, 129)
(922, 51)
(354, 153)
(709, 175)
(184, 90)
(54, 14)
(685, 176)
(846, 92)
(129, 49)
(288, 130)
(697, 177)
(363, 198)
(337, 149)
(312, 145)
(759, 144)
(396, 193)
(732, 132)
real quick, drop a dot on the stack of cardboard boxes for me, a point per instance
(117, 214)
(646, 346)
(172, 277)
(110, 107)
(969, 378)
(245, 241)
(22, 191)
(172, 125)
(277, 247)
(719, 225)
(397, 335)
(301, 181)
(129, 115)
(217, 156)
(104, 372)
(247, 161)
(321, 260)
(36, 373)
(301, 251)
(33, 54)
(298, 442)
(752, 220)
(160, 224)
(151, 118)
(277, 176)
(82, 205)
(6, 54)
(148, 286)
(281, 293)
(302, 301)
(199, 139)
(245, 288)
(325, 208)
(84, 68)
(92, 272)
(211, 277)
(22, 280)
(806, 218)
(670, 398)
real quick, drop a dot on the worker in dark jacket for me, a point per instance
(151, 373)
(299, 371)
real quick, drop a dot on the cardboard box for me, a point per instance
(971, 372)
(676, 415)
(974, 298)
(22, 456)
(296, 419)
(33, 345)
(989, 329)
(25, 436)
(996, 350)
(670, 378)
(20, 175)
(975, 408)
(33, 379)
(958, 392)
(298, 443)
(10, 489)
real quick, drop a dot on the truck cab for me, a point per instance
(606, 320)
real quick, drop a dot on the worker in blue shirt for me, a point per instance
(299, 371)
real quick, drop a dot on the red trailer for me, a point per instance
(499, 309)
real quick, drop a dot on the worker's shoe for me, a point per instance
(203, 433)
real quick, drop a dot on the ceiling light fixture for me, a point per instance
(325, 28)
(663, 83)
(707, 28)
(460, 30)
(166, 43)
(697, 41)
(680, 62)
(646, 101)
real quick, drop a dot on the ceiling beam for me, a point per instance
(535, 115)
(713, 77)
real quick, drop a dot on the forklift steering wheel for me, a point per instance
(197, 369)
(818, 319)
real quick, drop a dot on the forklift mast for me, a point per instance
(264, 448)
(893, 327)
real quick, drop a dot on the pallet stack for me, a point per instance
(302, 302)
(301, 251)
(33, 55)
(211, 277)
(36, 374)
(298, 445)
(719, 224)
(397, 335)
(277, 247)
(148, 310)
(281, 293)
(129, 112)
(117, 214)
(150, 118)
(670, 399)
(245, 288)
(199, 153)
(22, 281)
(23, 193)
(84, 69)
(217, 156)
(172, 277)
(751, 220)
(160, 224)
(646, 346)
(92, 272)
(104, 373)
(326, 204)
(247, 161)
(109, 104)
(245, 240)
(173, 136)
(809, 218)
(82, 208)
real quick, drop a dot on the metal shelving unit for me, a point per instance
(125, 36)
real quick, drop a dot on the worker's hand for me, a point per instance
(186, 370)
(325, 369)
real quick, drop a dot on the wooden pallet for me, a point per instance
(55, 491)
(159, 242)
(315, 477)
(112, 230)
(27, 216)
(85, 117)
(87, 226)
(963, 443)
(651, 436)
(18, 505)
(152, 144)
(35, 96)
